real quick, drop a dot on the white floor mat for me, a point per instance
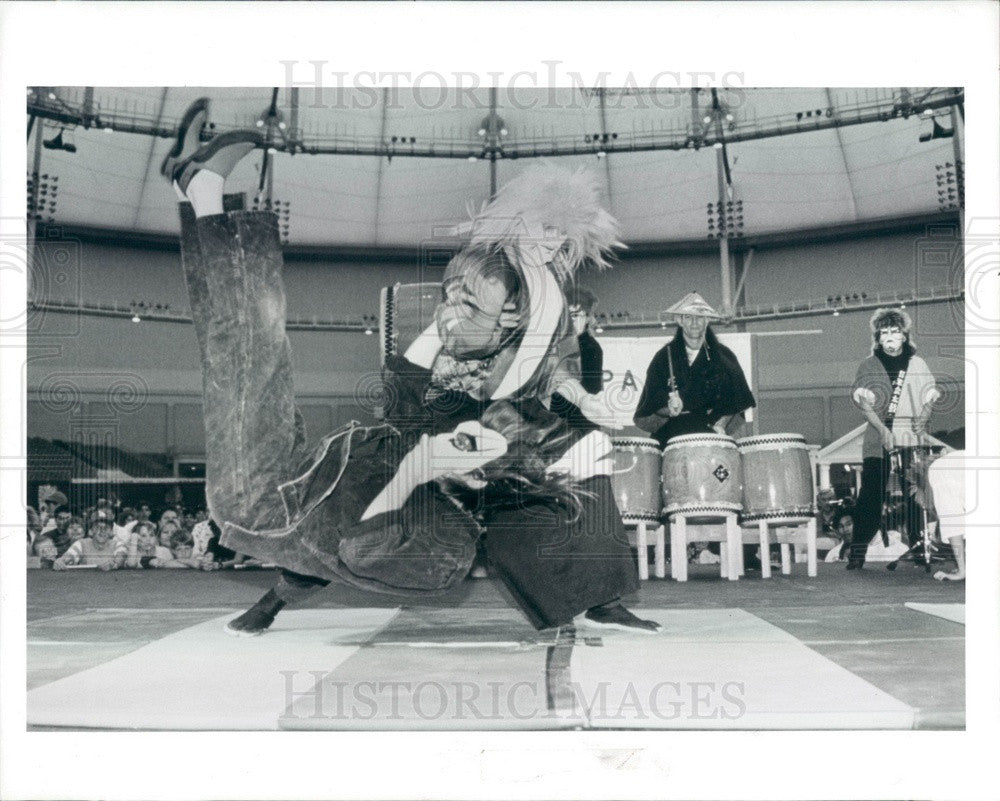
(202, 678)
(724, 669)
(953, 612)
(708, 669)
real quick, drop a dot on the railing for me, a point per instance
(620, 320)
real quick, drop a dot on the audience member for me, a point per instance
(98, 548)
(50, 506)
(144, 548)
(59, 531)
(45, 550)
(843, 527)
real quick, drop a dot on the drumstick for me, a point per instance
(671, 381)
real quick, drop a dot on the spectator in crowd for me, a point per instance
(75, 530)
(50, 506)
(45, 550)
(144, 548)
(33, 524)
(143, 512)
(182, 549)
(167, 529)
(843, 527)
(99, 548)
(59, 531)
(125, 524)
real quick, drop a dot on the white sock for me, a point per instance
(180, 195)
(205, 193)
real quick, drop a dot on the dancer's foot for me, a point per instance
(258, 618)
(220, 156)
(188, 137)
(615, 616)
(954, 575)
(855, 564)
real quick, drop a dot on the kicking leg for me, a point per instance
(291, 588)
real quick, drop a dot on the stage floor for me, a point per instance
(145, 650)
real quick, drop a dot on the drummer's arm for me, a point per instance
(653, 422)
(722, 423)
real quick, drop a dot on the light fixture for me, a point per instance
(928, 112)
(368, 331)
(260, 123)
(836, 313)
(598, 330)
(717, 145)
(601, 154)
(730, 118)
(136, 318)
(52, 95)
(902, 306)
(707, 119)
(473, 158)
(282, 125)
(273, 151)
(482, 132)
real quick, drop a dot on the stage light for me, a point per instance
(473, 158)
(601, 154)
(368, 332)
(730, 118)
(52, 95)
(282, 126)
(260, 123)
(136, 318)
(503, 132)
(482, 132)
(717, 145)
(836, 313)
(928, 112)
(598, 330)
(707, 120)
(272, 151)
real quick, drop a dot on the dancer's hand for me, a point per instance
(595, 410)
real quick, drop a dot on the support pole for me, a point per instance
(957, 139)
(727, 281)
(36, 173)
(492, 138)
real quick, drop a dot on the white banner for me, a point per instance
(627, 358)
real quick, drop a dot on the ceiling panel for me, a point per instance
(798, 180)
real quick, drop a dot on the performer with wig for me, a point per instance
(895, 392)
(694, 383)
(469, 440)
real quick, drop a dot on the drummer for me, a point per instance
(694, 384)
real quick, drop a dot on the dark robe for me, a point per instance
(712, 387)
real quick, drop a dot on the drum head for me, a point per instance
(635, 442)
(695, 440)
(772, 439)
